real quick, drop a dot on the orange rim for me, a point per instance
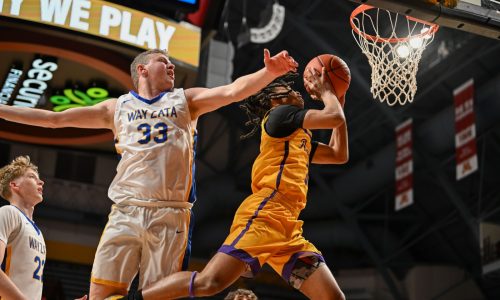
(364, 7)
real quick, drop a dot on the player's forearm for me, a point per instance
(250, 84)
(8, 289)
(333, 110)
(339, 143)
(28, 116)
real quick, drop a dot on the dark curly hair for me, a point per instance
(257, 105)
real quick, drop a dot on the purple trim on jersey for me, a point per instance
(192, 192)
(288, 267)
(250, 221)
(149, 101)
(282, 165)
(4, 261)
(32, 223)
(243, 256)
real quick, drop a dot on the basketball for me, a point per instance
(337, 70)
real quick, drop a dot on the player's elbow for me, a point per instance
(342, 157)
(340, 154)
(335, 120)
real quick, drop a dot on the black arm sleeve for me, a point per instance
(314, 145)
(284, 120)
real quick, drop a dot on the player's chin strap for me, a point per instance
(191, 284)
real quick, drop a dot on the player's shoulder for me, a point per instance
(8, 208)
(283, 112)
(193, 92)
(285, 108)
(176, 92)
(9, 211)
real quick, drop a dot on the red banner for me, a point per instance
(465, 130)
(404, 165)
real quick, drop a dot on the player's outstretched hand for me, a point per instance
(83, 298)
(316, 83)
(280, 64)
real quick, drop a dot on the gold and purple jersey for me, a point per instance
(283, 164)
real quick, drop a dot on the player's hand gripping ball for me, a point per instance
(336, 69)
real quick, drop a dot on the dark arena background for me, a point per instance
(441, 242)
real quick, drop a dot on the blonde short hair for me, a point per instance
(17, 168)
(142, 59)
(241, 294)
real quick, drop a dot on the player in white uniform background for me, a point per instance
(22, 248)
(149, 226)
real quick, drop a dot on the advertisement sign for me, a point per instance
(404, 165)
(50, 83)
(111, 21)
(10, 84)
(465, 130)
(27, 87)
(30, 88)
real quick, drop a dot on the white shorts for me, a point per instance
(152, 240)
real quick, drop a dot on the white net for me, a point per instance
(394, 53)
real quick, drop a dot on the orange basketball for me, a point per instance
(337, 70)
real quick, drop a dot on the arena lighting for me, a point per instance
(418, 42)
(403, 51)
(271, 30)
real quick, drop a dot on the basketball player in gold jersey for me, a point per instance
(266, 228)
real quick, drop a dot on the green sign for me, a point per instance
(75, 98)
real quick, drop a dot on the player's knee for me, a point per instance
(208, 285)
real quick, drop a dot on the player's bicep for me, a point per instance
(204, 100)
(325, 155)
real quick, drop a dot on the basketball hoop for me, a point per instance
(394, 59)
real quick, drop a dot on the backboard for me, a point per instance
(481, 17)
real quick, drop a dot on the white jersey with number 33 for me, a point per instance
(24, 257)
(156, 140)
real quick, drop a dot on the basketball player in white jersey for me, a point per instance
(155, 132)
(22, 248)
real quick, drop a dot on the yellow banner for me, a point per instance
(113, 22)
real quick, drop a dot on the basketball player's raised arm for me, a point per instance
(330, 117)
(97, 116)
(8, 290)
(203, 100)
